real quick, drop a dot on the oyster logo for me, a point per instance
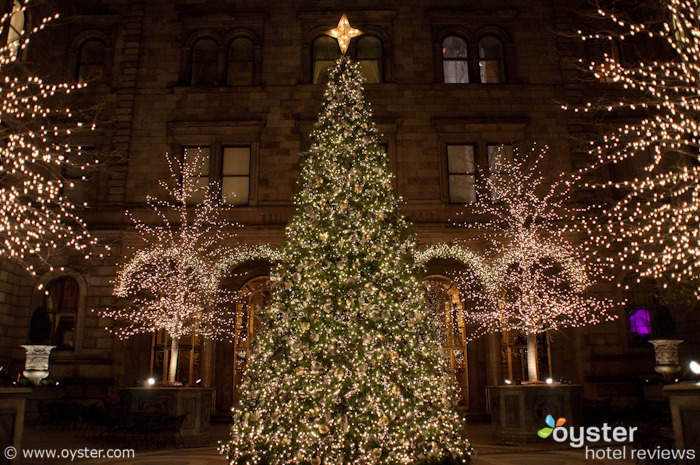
(546, 432)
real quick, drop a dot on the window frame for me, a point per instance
(379, 60)
(465, 60)
(483, 61)
(376, 26)
(473, 174)
(321, 77)
(39, 299)
(251, 62)
(491, 171)
(79, 61)
(216, 71)
(224, 176)
(218, 135)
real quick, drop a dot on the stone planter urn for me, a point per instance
(36, 365)
(666, 354)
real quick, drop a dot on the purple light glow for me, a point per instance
(640, 322)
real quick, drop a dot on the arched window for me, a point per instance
(370, 57)
(91, 61)
(455, 69)
(325, 52)
(61, 300)
(491, 68)
(204, 58)
(241, 59)
(14, 32)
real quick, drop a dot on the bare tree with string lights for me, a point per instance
(539, 279)
(653, 227)
(172, 284)
(37, 220)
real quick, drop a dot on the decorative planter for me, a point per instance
(194, 403)
(666, 354)
(519, 411)
(36, 365)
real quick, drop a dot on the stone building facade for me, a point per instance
(237, 80)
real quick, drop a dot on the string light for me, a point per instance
(36, 218)
(538, 280)
(347, 366)
(172, 284)
(654, 225)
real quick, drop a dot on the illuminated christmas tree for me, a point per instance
(36, 219)
(347, 367)
(654, 224)
(172, 284)
(539, 280)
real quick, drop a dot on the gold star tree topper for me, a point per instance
(344, 33)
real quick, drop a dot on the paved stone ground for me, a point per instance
(488, 450)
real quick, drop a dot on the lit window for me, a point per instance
(235, 175)
(491, 69)
(369, 55)
(454, 61)
(91, 61)
(204, 57)
(325, 52)
(500, 157)
(200, 157)
(241, 58)
(462, 173)
(61, 301)
(640, 323)
(16, 26)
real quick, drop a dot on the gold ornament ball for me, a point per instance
(316, 461)
(376, 453)
(323, 429)
(305, 326)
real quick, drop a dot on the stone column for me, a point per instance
(494, 361)
(206, 367)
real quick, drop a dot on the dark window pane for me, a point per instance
(455, 69)
(454, 47)
(491, 69)
(204, 54)
(241, 57)
(325, 52)
(91, 60)
(369, 54)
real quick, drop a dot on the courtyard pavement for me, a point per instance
(488, 450)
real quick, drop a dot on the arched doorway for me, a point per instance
(251, 299)
(445, 299)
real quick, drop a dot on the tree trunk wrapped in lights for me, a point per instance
(652, 229)
(538, 281)
(347, 367)
(173, 283)
(36, 218)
